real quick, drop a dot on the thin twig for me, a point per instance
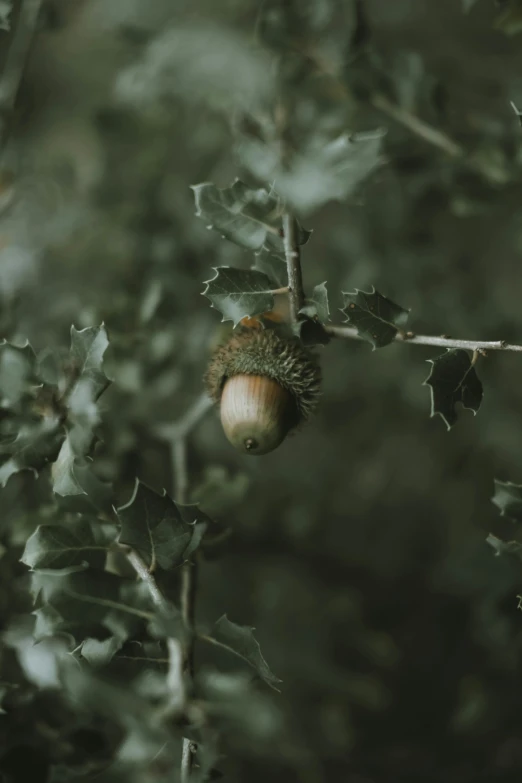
(180, 429)
(350, 333)
(189, 570)
(175, 679)
(16, 60)
(437, 138)
(293, 265)
(420, 128)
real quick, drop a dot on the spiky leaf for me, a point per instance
(240, 640)
(453, 379)
(376, 318)
(508, 498)
(238, 293)
(242, 214)
(74, 479)
(157, 528)
(88, 347)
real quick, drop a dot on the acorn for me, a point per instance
(265, 386)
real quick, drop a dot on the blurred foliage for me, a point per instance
(357, 549)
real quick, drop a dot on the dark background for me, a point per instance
(358, 547)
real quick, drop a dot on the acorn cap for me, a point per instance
(265, 353)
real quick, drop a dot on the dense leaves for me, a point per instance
(453, 379)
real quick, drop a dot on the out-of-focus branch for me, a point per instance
(175, 679)
(12, 74)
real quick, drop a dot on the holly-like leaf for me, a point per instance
(74, 479)
(321, 170)
(508, 499)
(157, 529)
(87, 349)
(17, 373)
(240, 640)
(238, 293)
(242, 214)
(376, 318)
(316, 306)
(61, 546)
(27, 444)
(504, 547)
(453, 379)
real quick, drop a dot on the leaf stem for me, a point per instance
(293, 265)
(350, 333)
(189, 574)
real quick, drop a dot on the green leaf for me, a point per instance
(87, 349)
(272, 263)
(376, 318)
(100, 652)
(238, 293)
(240, 640)
(504, 547)
(48, 622)
(30, 446)
(316, 306)
(508, 499)
(157, 529)
(321, 170)
(74, 479)
(242, 214)
(453, 379)
(60, 546)
(85, 598)
(17, 372)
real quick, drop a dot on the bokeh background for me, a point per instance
(357, 549)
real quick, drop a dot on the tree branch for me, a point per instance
(178, 433)
(439, 139)
(350, 333)
(16, 59)
(293, 264)
(175, 680)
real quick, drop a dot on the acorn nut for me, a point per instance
(265, 386)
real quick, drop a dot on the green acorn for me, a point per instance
(265, 385)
